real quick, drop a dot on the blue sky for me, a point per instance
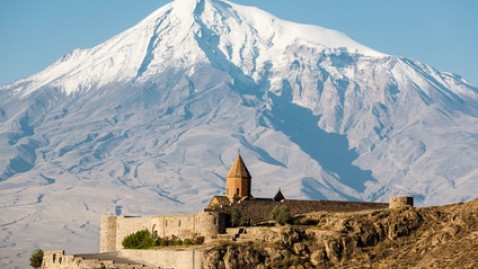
(442, 33)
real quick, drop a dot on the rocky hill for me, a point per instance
(432, 237)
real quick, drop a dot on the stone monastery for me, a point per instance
(213, 223)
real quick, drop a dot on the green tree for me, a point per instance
(281, 214)
(36, 259)
(236, 217)
(138, 240)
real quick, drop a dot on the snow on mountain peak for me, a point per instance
(172, 35)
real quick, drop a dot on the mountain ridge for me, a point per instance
(193, 11)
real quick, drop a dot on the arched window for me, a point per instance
(154, 233)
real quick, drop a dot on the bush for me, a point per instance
(162, 242)
(176, 241)
(144, 240)
(281, 214)
(199, 240)
(188, 241)
(236, 218)
(36, 259)
(139, 240)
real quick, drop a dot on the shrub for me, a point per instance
(139, 240)
(162, 242)
(188, 241)
(36, 259)
(199, 240)
(281, 214)
(176, 242)
(236, 218)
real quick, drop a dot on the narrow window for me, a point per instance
(179, 223)
(215, 221)
(237, 191)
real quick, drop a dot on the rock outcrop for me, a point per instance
(434, 237)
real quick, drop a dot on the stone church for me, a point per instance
(212, 223)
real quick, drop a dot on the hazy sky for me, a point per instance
(441, 33)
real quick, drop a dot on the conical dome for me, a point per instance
(239, 169)
(279, 196)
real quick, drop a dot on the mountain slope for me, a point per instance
(150, 121)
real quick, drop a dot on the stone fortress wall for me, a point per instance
(113, 229)
(210, 223)
(57, 259)
(174, 259)
(125, 259)
(256, 211)
(399, 201)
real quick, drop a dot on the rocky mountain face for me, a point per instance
(150, 121)
(434, 237)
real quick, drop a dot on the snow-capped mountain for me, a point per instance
(150, 121)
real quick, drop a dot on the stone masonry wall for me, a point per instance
(182, 259)
(58, 260)
(108, 233)
(177, 259)
(128, 225)
(115, 229)
(209, 224)
(399, 201)
(183, 226)
(259, 210)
